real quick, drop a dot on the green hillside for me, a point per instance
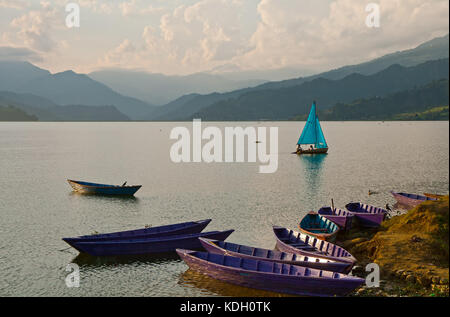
(10, 113)
(429, 102)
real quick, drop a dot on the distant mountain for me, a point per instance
(46, 110)
(67, 88)
(10, 113)
(183, 108)
(412, 104)
(161, 89)
(437, 48)
(13, 74)
(285, 103)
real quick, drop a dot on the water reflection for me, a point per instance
(100, 197)
(83, 259)
(312, 170)
(208, 285)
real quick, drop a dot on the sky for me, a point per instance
(188, 36)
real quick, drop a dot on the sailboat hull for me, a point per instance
(313, 151)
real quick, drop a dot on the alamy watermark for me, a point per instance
(373, 278)
(73, 16)
(227, 149)
(373, 18)
(73, 278)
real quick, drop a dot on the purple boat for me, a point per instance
(148, 246)
(152, 232)
(411, 200)
(367, 216)
(270, 276)
(299, 243)
(340, 217)
(243, 251)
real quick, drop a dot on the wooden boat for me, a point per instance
(366, 215)
(320, 227)
(312, 136)
(152, 232)
(340, 217)
(410, 200)
(243, 251)
(270, 276)
(291, 241)
(103, 189)
(437, 196)
(149, 245)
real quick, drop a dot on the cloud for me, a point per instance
(13, 4)
(288, 34)
(187, 38)
(137, 7)
(34, 29)
(8, 53)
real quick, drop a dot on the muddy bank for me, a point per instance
(412, 251)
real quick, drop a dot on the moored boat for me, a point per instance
(147, 246)
(152, 232)
(103, 189)
(243, 251)
(410, 200)
(299, 243)
(339, 216)
(366, 215)
(271, 276)
(312, 136)
(320, 227)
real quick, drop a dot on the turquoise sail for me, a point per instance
(312, 132)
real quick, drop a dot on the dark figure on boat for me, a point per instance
(123, 185)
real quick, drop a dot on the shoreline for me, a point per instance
(411, 250)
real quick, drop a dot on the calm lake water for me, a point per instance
(37, 207)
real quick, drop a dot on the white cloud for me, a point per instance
(187, 38)
(289, 35)
(34, 29)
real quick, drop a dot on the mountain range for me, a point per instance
(118, 95)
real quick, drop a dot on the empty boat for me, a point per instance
(319, 227)
(152, 232)
(340, 217)
(243, 251)
(410, 200)
(367, 216)
(103, 189)
(147, 246)
(270, 276)
(299, 243)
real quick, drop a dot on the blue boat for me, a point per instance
(318, 226)
(312, 136)
(148, 246)
(103, 189)
(152, 232)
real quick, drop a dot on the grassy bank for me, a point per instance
(412, 251)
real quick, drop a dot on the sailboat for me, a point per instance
(312, 136)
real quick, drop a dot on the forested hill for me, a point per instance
(286, 103)
(428, 102)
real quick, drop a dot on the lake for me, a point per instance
(38, 208)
